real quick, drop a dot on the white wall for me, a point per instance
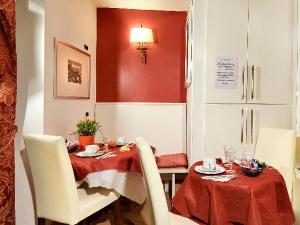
(73, 21)
(30, 96)
(163, 125)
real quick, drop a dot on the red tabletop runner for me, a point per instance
(124, 161)
(261, 200)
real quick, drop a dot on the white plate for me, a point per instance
(86, 154)
(237, 161)
(219, 170)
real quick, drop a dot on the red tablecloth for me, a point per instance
(261, 200)
(124, 161)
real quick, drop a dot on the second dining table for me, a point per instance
(261, 200)
(121, 172)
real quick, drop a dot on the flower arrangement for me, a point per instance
(87, 127)
(86, 130)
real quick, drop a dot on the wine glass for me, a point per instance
(106, 141)
(229, 158)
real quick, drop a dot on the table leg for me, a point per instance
(118, 214)
(173, 184)
(166, 183)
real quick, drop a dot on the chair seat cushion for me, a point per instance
(172, 160)
(180, 220)
(93, 199)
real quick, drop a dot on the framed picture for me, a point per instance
(73, 68)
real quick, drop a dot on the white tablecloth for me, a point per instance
(128, 184)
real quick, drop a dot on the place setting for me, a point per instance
(90, 151)
(229, 163)
(210, 167)
(120, 143)
(212, 170)
(106, 149)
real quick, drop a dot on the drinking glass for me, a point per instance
(106, 141)
(229, 158)
(247, 158)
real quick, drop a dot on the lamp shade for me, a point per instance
(141, 34)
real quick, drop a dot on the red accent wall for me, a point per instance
(121, 77)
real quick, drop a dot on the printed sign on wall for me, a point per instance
(226, 72)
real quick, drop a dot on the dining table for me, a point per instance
(121, 172)
(261, 200)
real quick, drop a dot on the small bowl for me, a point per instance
(254, 172)
(72, 148)
(250, 172)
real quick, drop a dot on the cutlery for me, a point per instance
(221, 178)
(103, 156)
(109, 154)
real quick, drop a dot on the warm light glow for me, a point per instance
(141, 34)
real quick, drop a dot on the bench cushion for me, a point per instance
(172, 160)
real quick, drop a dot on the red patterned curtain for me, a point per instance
(8, 89)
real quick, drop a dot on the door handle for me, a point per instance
(252, 123)
(253, 81)
(243, 82)
(242, 126)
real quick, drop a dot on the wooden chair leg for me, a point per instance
(41, 221)
(119, 218)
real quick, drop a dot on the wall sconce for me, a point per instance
(142, 36)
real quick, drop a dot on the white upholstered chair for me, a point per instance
(277, 148)
(296, 184)
(156, 195)
(57, 197)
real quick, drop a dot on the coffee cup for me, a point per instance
(91, 149)
(209, 164)
(121, 140)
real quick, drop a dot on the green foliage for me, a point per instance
(87, 127)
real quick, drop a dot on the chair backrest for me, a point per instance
(153, 182)
(277, 148)
(53, 178)
(296, 184)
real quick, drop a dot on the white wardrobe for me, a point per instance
(243, 69)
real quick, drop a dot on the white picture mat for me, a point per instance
(64, 88)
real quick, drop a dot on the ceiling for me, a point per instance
(169, 5)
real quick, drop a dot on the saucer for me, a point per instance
(209, 170)
(237, 161)
(85, 154)
(218, 170)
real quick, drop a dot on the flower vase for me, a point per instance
(86, 140)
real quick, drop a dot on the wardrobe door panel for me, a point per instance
(270, 51)
(227, 23)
